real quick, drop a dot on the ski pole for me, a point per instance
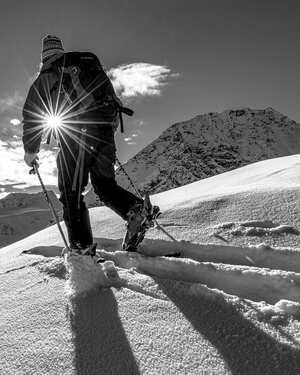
(164, 231)
(35, 170)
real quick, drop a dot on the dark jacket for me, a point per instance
(46, 96)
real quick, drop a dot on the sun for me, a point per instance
(53, 121)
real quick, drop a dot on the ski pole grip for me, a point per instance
(127, 111)
(33, 169)
(121, 122)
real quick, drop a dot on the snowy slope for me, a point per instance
(229, 305)
(210, 144)
(22, 214)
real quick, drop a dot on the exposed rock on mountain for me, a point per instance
(25, 200)
(210, 144)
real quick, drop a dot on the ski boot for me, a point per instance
(140, 218)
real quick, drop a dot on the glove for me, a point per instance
(31, 159)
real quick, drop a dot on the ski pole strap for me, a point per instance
(127, 111)
(80, 179)
(79, 162)
(121, 122)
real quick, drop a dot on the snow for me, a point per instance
(230, 304)
(254, 283)
(85, 276)
(210, 144)
(22, 214)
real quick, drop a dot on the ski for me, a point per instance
(175, 254)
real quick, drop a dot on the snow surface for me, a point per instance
(230, 304)
(22, 214)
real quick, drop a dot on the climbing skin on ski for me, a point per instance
(141, 217)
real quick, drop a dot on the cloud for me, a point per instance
(14, 173)
(10, 112)
(15, 121)
(140, 79)
(130, 141)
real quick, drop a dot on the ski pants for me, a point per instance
(88, 151)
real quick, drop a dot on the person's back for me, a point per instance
(74, 86)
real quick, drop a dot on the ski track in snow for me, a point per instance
(251, 283)
(261, 274)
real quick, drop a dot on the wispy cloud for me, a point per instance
(15, 121)
(140, 79)
(131, 143)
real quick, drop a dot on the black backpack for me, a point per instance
(84, 86)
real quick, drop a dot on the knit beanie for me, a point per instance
(51, 45)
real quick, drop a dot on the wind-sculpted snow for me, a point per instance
(255, 228)
(256, 284)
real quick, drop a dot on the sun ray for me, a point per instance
(59, 92)
(42, 100)
(67, 144)
(47, 91)
(90, 136)
(82, 97)
(63, 159)
(58, 116)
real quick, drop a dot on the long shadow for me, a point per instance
(46, 251)
(101, 345)
(246, 349)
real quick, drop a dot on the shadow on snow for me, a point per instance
(100, 342)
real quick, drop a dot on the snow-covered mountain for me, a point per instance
(22, 214)
(229, 305)
(91, 199)
(210, 144)
(25, 200)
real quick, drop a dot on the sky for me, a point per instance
(170, 60)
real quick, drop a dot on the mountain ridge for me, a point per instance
(210, 144)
